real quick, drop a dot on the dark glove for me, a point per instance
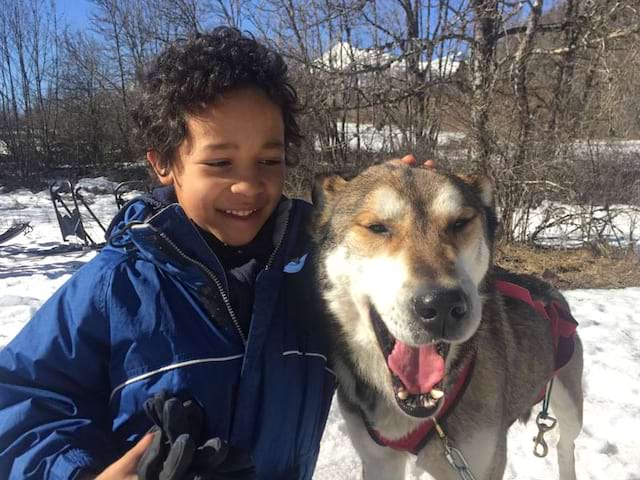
(178, 428)
(217, 460)
(176, 452)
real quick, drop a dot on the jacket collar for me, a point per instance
(159, 229)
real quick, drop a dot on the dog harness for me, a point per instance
(563, 325)
(563, 329)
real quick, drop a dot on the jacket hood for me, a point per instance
(157, 227)
(138, 210)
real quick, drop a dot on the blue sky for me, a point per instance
(75, 13)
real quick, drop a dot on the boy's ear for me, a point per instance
(163, 173)
(326, 188)
(482, 186)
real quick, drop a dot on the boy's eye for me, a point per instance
(218, 163)
(271, 161)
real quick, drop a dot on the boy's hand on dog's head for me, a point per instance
(412, 161)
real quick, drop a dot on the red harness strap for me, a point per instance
(563, 325)
(415, 440)
(563, 329)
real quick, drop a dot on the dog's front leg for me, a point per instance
(378, 463)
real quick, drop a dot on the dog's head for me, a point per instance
(403, 253)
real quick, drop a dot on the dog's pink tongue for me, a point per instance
(419, 368)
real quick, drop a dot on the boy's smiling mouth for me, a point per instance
(239, 213)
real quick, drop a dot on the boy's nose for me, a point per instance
(246, 187)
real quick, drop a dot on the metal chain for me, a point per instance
(544, 422)
(453, 455)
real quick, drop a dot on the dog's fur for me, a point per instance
(387, 240)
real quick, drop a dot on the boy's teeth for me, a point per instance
(240, 213)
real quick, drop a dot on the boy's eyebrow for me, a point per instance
(234, 146)
(273, 144)
(221, 146)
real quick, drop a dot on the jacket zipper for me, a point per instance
(215, 280)
(280, 240)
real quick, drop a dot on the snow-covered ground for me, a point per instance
(386, 138)
(573, 226)
(609, 446)
(389, 138)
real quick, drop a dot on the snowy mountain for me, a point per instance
(344, 56)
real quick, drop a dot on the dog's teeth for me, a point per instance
(437, 394)
(402, 394)
(428, 402)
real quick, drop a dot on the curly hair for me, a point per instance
(192, 73)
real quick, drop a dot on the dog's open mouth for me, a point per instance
(417, 372)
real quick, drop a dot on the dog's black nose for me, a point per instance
(437, 308)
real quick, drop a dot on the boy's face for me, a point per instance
(230, 168)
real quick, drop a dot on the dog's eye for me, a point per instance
(378, 228)
(461, 223)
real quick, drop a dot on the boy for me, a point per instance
(199, 293)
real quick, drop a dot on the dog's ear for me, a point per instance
(326, 188)
(482, 186)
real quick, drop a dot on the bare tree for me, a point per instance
(522, 85)
(29, 82)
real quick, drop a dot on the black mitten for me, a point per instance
(176, 452)
(216, 460)
(178, 428)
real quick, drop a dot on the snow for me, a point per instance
(574, 226)
(612, 146)
(389, 137)
(383, 139)
(609, 326)
(344, 56)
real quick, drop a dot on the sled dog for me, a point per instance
(421, 330)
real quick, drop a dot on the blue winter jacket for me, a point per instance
(151, 312)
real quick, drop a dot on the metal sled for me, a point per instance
(14, 230)
(68, 202)
(124, 188)
(69, 217)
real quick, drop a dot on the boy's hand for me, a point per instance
(125, 468)
(412, 161)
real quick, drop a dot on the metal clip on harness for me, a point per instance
(540, 448)
(453, 455)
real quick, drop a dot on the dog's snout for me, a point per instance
(437, 308)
